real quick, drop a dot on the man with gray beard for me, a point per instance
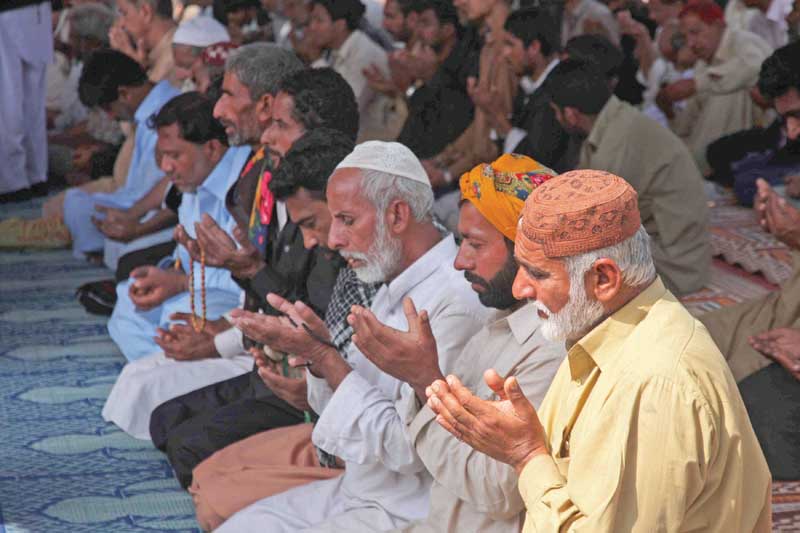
(643, 428)
(380, 202)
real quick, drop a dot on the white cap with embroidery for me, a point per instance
(200, 31)
(389, 157)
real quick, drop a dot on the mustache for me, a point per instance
(354, 255)
(474, 278)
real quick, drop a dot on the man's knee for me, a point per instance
(164, 419)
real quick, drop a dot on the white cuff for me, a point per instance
(229, 343)
(513, 138)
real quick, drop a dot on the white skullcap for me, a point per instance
(391, 158)
(200, 31)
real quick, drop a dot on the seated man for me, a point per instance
(643, 428)
(771, 153)
(719, 94)
(531, 46)
(247, 471)
(191, 427)
(195, 157)
(334, 27)
(760, 340)
(618, 138)
(380, 201)
(115, 82)
(229, 480)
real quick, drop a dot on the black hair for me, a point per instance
(780, 71)
(194, 115)
(104, 72)
(578, 84)
(310, 162)
(443, 9)
(162, 8)
(349, 10)
(598, 51)
(410, 6)
(322, 99)
(532, 24)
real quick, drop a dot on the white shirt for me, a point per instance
(772, 26)
(360, 423)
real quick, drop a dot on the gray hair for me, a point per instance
(632, 256)
(91, 21)
(381, 188)
(261, 67)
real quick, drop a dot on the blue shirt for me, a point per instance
(210, 198)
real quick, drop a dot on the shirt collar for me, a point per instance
(158, 95)
(523, 322)
(226, 171)
(604, 119)
(538, 82)
(599, 346)
(348, 46)
(778, 11)
(723, 52)
(440, 255)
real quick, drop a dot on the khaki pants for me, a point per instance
(732, 326)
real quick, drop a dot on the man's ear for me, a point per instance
(214, 150)
(604, 280)
(398, 217)
(264, 109)
(340, 26)
(571, 116)
(146, 10)
(449, 31)
(533, 49)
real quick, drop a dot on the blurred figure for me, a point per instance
(26, 47)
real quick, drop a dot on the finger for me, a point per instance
(140, 272)
(241, 237)
(442, 421)
(447, 407)
(411, 315)
(310, 317)
(495, 382)
(473, 407)
(522, 406)
(281, 304)
(181, 317)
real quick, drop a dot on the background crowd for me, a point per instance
(309, 212)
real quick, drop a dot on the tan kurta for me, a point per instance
(380, 117)
(474, 145)
(722, 104)
(647, 433)
(471, 491)
(731, 326)
(671, 196)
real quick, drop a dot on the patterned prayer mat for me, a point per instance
(737, 238)
(62, 468)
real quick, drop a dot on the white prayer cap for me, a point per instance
(389, 157)
(200, 31)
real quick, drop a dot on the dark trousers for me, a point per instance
(190, 428)
(772, 398)
(146, 256)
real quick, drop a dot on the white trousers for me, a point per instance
(318, 507)
(145, 384)
(23, 120)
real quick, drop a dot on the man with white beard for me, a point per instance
(380, 202)
(643, 428)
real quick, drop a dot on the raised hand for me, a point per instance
(410, 356)
(782, 345)
(221, 250)
(777, 216)
(507, 430)
(294, 391)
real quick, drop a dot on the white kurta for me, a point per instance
(385, 484)
(26, 48)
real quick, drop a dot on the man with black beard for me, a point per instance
(470, 490)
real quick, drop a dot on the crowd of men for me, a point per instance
(416, 265)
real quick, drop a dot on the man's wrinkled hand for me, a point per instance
(150, 286)
(293, 391)
(507, 430)
(409, 356)
(782, 346)
(182, 343)
(221, 250)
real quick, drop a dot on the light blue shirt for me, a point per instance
(210, 198)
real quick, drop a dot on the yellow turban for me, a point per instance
(499, 190)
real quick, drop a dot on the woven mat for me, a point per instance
(738, 239)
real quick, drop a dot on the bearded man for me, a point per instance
(380, 202)
(643, 428)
